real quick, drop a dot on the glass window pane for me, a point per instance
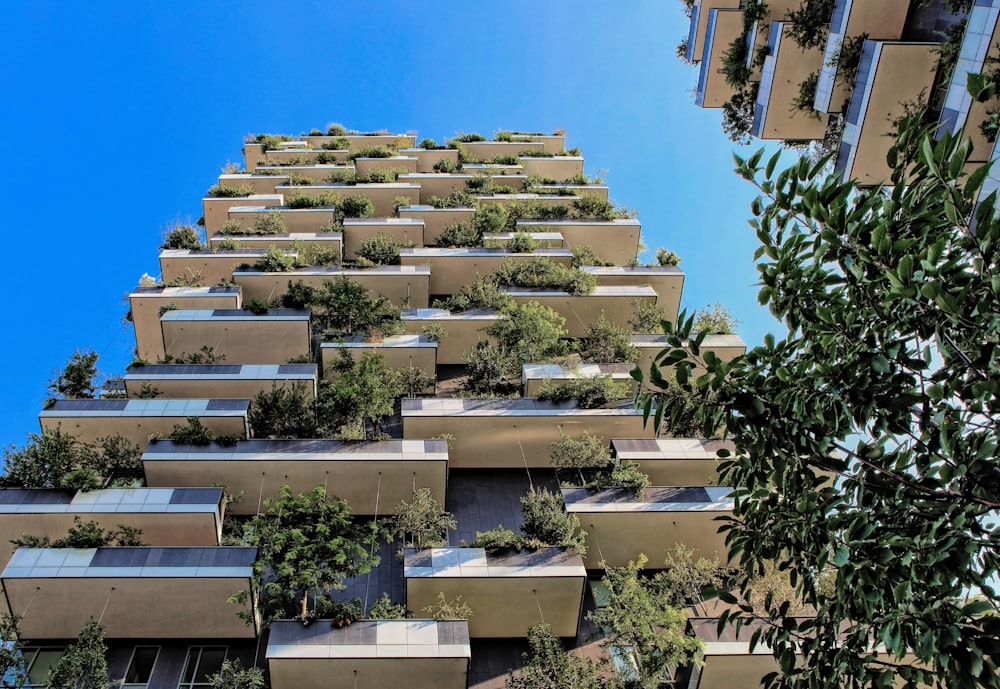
(211, 662)
(189, 666)
(141, 667)
(45, 660)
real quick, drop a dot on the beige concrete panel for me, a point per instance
(213, 387)
(138, 429)
(436, 219)
(728, 27)
(580, 310)
(256, 341)
(462, 333)
(399, 287)
(296, 219)
(782, 120)
(427, 158)
(312, 673)
(487, 150)
(702, 27)
(210, 268)
(146, 306)
(615, 241)
(453, 269)
(403, 232)
(365, 166)
(259, 184)
(216, 209)
(619, 537)
(557, 167)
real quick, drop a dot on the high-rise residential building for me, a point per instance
(840, 74)
(397, 324)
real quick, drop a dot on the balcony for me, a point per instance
(166, 516)
(556, 167)
(399, 351)
(436, 183)
(136, 420)
(296, 219)
(220, 381)
(216, 208)
(786, 67)
(145, 304)
(400, 284)
(464, 329)
(207, 267)
(619, 525)
(881, 20)
(698, 28)
(373, 477)
(428, 158)
(615, 241)
(726, 347)
(508, 591)
(666, 281)
(436, 219)
(534, 376)
(316, 174)
(543, 240)
(723, 27)
(390, 141)
(59, 590)
(672, 461)
(487, 150)
(241, 336)
(403, 231)
(307, 241)
(382, 195)
(370, 653)
(288, 156)
(582, 310)
(258, 184)
(366, 165)
(891, 73)
(453, 269)
(513, 433)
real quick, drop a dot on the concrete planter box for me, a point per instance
(725, 26)
(304, 156)
(137, 420)
(360, 473)
(114, 584)
(666, 281)
(400, 284)
(382, 195)
(508, 592)
(216, 208)
(501, 172)
(366, 165)
(427, 159)
(399, 351)
(286, 240)
(390, 141)
(544, 240)
(556, 167)
(220, 381)
(401, 230)
(487, 150)
(436, 183)
(210, 267)
(510, 433)
(598, 190)
(145, 304)
(581, 310)
(545, 200)
(436, 219)
(252, 154)
(619, 525)
(551, 143)
(786, 67)
(615, 241)
(464, 329)
(453, 269)
(259, 184)
(370, 653)
(317, 173)
(534, 376)
(241, 336)
(672, 461)
(726, 347)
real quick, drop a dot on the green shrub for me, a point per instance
(504, 135)
(805, 100)
(178, 236)
(257, 306)
(453, 200)
(667, 258)
(382, 175)
(447, 165)
(379, 250)
(338, 144)
(505, 160)
(607, 343)
(298, 199)
(336, 129)
(205, 355)
(228, 244)
(268, 223)
(371, 152)
(220, 191)
(496, 539)
(415, 381)
(422, 522)
(356, 206)
(283, 412)
(628, 476)
(589, 393)
(275, 260)
(429, 144)
(491, 218)
(82, 480)
(646, 317)
(193, 433)
(385, 609)
(583, 255)
(715, 319)
(435, 332)
(326, 158)
(271, 141)
(341, 176)
(482, 293)
(458, 234)
(468, 138)
(586, 451)
(543, 273)
(522, 243)
(593, 206)
(547, 524)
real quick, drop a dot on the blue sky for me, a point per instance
(120, 114)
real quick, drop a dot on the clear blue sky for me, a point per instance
(120, 114)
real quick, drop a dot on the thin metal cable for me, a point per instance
(371, 551)
(31, 600)
(524, 459)
(104, 609)
(260, 493)
(535, 593)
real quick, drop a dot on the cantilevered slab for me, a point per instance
(382, 195)
(438, 184)
(295, 219)
(723, 27)
(219, 381)
(672, 461)
(436, 219)
(667, 281)
(617, 303)
(726, 347)
(619, 525)
(373, 477)
(216, 208)
(403, 231)
(513, 433)
(463, 329)
(543, 240)
(358, 140)
(370, 653)
(166, 516)
(146, 304)
(89, 420)
(453, 269)
(398, 351)
(698, 28)
(559, 168)
(427, 158)
(615, 241)
(487, 150)
(137, 593)
(400, 284)
(534, 376)
(508, 591)
(258, 184)
(309, 242)
(239, 335)
(207, 267)
(787, 65)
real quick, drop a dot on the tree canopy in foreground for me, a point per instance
(866, 438)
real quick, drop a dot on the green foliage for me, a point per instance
(422, 522)
(234, 676)
(343, 307)
(384, 609)
(593, 206)
(220, 191)
(647, 317)
(667, 258)
(306, 546)
(360, 395)
(415, 381)
(229, 243)
(492, 218)
(336, 129)
(453, 200)
(257, 306)
(148, 391)
(356, 206)
(49, 457)
(734, 63)
(340, 175)
(191, 277)
(809, 24)
(589, 393)
(522, 243)
(458, 234)
(283, 412)
(585, 451)
(468, 138)
(481, 293)
(607, 343)
(849, 59)
(81, 480)
(637, 617)
(371, 152)
(444, 609)
(498, 539)
(715, 319)
(546, 522)
(338, 144)
(382, 175)
(179, 236)
(429, 144)
(270, 141)
(435, 332)
(805, 100)
(628, 476)
(583, 255)
(379, 250)
(543, 273)
(447, 165)
(275, 260)
(550, 666)
(685, 578)
(205, 355)
(87, 534)
(75, 381)
(887, 379)
(12, 660)
(192, 433)
(737, 113)
(84, 665)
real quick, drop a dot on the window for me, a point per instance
(140, 668)
(38, 662)
(202, 662)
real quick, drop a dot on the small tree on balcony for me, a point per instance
(547, 665)
(234, 676)
(76, 380)
(422, 522)
(84, 665)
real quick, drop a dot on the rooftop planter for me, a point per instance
(620, 525)
(666, 281)
(145, 304)
(241, 336)
(453, 269)
(427, 158)
(726, 347)
(360, 473)
(786, 67)
(436, 219)
(116, 585)
(672, 461)
(534, 376)
(88, 420)
(508, 591)
(615, 241)
(258, 184)
(556, 167)
(401, 284)
(581, 310)
(399, 351)
(509, 433)
(366, 165)
(724, 26)
(369, 653)
(403, 231)
(166, 516)
(464, 329)
(219, 381)
(210, 267)
(216, 208)
(310, 241)
(382, 195)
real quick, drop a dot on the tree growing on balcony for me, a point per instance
(84, 665)
(75, 381)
